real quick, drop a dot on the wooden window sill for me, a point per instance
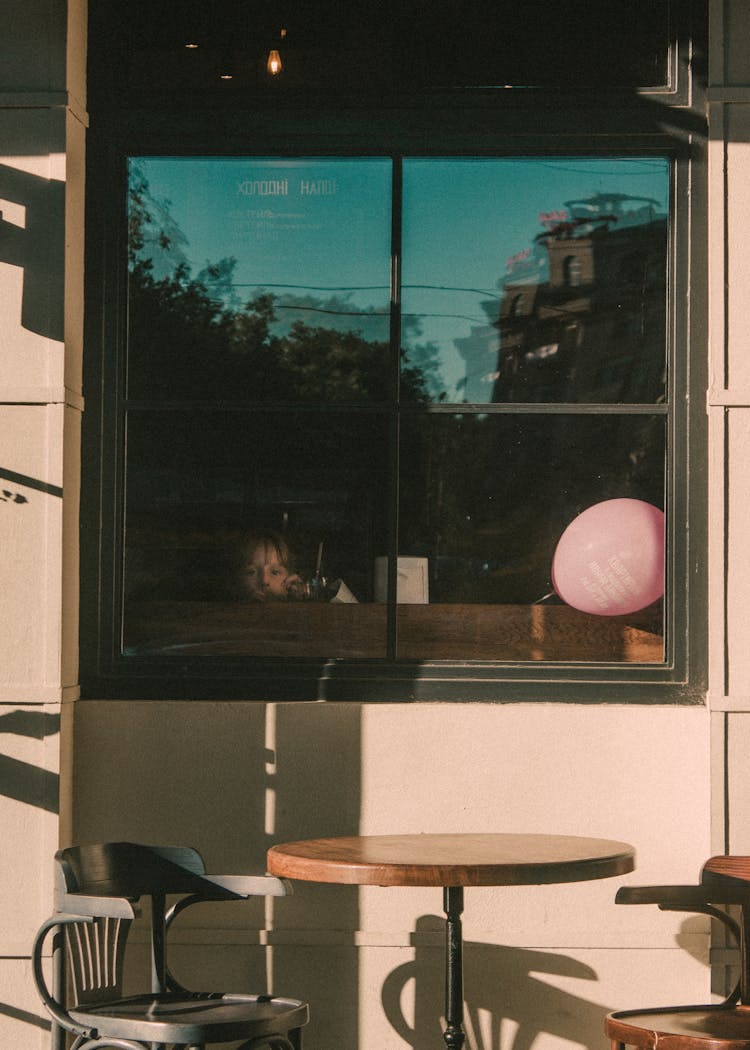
(457, 632)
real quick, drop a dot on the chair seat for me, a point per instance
(169, 1018)
(719, 1027)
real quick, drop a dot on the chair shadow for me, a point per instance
(503, 1000)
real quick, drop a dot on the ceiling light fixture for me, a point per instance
(274, 65)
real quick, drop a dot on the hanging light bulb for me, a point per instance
(274, 64)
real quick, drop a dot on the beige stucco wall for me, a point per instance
(42, 118)
(542, 964)
(233, 778)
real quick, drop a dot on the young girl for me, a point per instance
(265, 570)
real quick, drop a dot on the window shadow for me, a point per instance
(6, 1010)
(32, 236)
(13, 496)
(233, 779)
(317, 794)
(24, 781)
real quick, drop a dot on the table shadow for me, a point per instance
(503, 997)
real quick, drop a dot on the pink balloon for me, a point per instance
(610, 559)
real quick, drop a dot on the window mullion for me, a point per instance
(392, 523)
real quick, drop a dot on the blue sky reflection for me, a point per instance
(316, 233)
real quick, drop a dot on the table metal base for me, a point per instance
(453, 905)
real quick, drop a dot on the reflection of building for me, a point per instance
(582, 314)
(479, 353)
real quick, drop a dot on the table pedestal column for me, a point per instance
(453, 905)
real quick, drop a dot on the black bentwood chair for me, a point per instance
(97, 889)
(725, 1025)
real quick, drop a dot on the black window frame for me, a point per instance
(495, 123)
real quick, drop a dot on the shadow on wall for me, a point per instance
(19, 780)
(24, 1015)
(8, 495)
(24, 781)
(232, 779)
(499, 988)
(32, 236)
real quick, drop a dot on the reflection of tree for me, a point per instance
(184, 343)
(152, 232)
(189, 338)
(422, 366)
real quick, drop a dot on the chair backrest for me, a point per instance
(102, 881)
(725, 881)
(728, 880)
(94, 953)
(95, 949)
(129, 869)
(732, 867)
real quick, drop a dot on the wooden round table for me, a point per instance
(452, 862)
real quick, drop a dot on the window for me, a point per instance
(572, 269)
(355, 399)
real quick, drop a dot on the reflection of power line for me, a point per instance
(450, 288)
(648, 167)
(365, 288)
(452, 317)
(378, 313)
(314, 287)
(338, 313)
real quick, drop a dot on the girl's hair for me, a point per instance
(245, 543)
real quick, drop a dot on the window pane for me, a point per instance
(228, 516)
(263, 423)
(485, 500)
(536, 279)
(260, 280)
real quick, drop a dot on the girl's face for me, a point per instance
(264, 577)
